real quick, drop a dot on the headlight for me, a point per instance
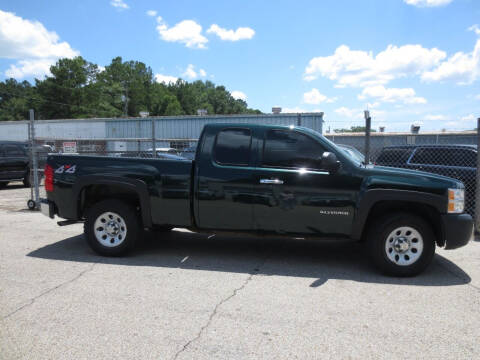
(456, 200)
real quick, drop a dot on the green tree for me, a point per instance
(128, 83)
(16, 98)
(353, 129)
(70, 91)
(77, 88)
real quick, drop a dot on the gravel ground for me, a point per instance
(190, 296)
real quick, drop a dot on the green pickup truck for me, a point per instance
(258, 179)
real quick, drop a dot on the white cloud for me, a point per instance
(469, 117)
(427, 3)
(349, 112)
(357, 113)
(477, 97)
(152, 13)
(315, 97)
(296, 109)
(239, 95)
(463, 68)
(187, 32)
(465, 122)
(359, 68)
(379, 92)
(24, 68)
(167, 79)
(20, 38)
(475, 29)
(241, 33)
(119, 4)
(32, 44)
(191, 73)
(437, 117)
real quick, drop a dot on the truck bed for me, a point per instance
(165, 185)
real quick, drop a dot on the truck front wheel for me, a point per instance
(401, 244)
(112, 227)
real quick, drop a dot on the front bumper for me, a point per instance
(457, 230)
(47, 208)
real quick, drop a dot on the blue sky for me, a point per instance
(406, 60)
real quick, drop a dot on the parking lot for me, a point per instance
(194, 296)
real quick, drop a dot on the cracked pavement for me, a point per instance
(192, 296)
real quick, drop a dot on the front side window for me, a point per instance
(290, 149)
(232, 147)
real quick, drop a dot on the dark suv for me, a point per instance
(455, 161)
(14, 163)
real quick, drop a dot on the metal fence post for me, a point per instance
(154, 145)
(30, 155)
(34, 158)
(368, 123)
(477, 182)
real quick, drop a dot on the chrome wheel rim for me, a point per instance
(404, 246)
(110, 229)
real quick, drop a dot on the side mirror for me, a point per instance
(329, 162)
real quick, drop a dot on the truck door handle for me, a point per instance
(271, 181)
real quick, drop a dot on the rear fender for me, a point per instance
(132, 185)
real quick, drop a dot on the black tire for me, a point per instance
(380, 251)
(130, 219)
(31, 204)
(26, 180)
(3, 184)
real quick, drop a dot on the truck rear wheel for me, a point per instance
(401, 244)
(112, 227)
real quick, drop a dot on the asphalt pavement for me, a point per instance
(183, 295)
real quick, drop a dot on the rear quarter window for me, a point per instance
(445, 157)
(232, 147)
(13, 150)
(394, 156)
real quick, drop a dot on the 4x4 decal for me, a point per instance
(68, 169)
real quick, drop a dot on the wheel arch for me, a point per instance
(380, 202)
(89, 190)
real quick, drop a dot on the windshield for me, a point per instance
(354, 158)
(353, 153)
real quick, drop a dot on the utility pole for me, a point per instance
(477, 182)
(368, 124)
(34, 159)
(125, 110)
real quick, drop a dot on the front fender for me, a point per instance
(373, 196)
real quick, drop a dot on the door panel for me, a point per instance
(224, 180)
(311, 202)
(15, 162)
(303, 198)
(3, 165)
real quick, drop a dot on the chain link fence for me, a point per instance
(449, 154)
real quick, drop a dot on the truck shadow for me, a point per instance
(318, 260)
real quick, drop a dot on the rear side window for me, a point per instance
(430, 156)
(393, 156)
(12, 150)
(233, 147)
(290, 149)
(464, 158)
(445, 157)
